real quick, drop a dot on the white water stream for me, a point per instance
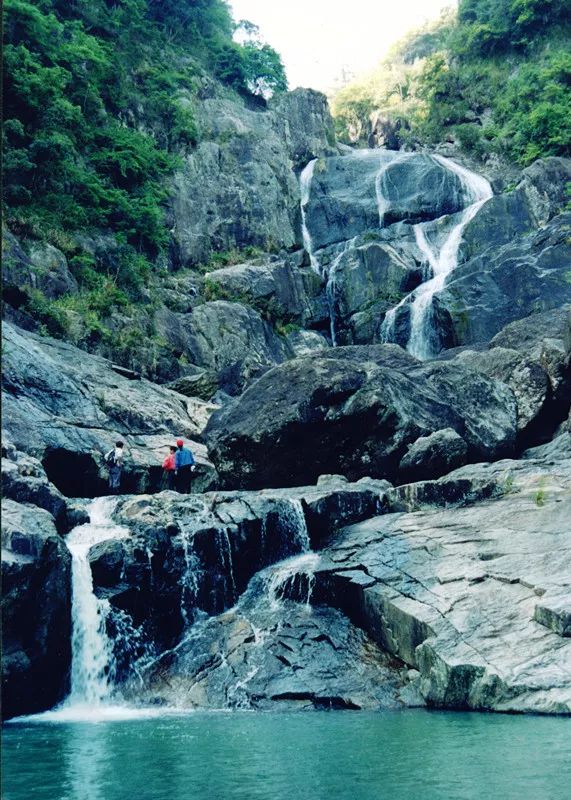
(442, 262)
(305, 179)
(92, 651)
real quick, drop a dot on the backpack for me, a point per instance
(110, 459)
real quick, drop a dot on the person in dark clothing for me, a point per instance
(185, 466)
(114, 462)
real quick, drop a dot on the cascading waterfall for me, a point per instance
(92, 650)
(422, 341)
(264, 608)
(305, 179)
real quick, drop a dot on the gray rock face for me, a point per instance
(434, 455)
(353, 416)
(532, 356)
(238, 187)
(283, 287)
(527, 276)
(187, 556)
(24, 480)
(67, 408)
(233, 340)
(543, 184)
(302, 343)
(371, 188)
(303, 118)
(526, 378)
(476, 598)
(36, 611)
(365, 280)
(306, 659)
(44, 268)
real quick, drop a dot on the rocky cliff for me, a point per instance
(411, 335)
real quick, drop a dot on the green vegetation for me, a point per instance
(496, 79)
(99, 109)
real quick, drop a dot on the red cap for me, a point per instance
(179, 443)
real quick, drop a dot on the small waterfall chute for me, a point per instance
(423, 340)
(92, 650)
(305, 178)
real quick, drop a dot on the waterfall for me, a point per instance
(92, 650)
(423, 336)
(295, 576)
(189, 588)
(305, 179)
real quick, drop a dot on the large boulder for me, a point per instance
(36, 611)
(66, 408)
(532, 356)
(233, 340)
(354, 416)
(503, 284)
(436, 454)
(281, 288)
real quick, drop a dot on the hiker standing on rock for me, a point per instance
(114, 462)
(185, 465)
(169, 466)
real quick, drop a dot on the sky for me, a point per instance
(318, 39)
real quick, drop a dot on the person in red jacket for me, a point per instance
(169, 466)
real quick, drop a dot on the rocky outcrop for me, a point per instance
(533, 357)
(437, 454)
(36, 610)
(234, 341)
(347, 414)
(281, 288)
(24, 480)
(187, 556)
(477, 599)
(375, 188)
(544, 185)
(238, 187)
(67, 408)
(43, 268)
(504, 284)
(305, 659)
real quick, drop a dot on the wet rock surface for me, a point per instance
(189, 556)
(475, 598)
(300, 658)
(36, 610)
(356, 417)
(67, 408)
(503, 284)
(345, 193)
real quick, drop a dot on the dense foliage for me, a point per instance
(496, 79)
(99, 109)
(99, 103)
